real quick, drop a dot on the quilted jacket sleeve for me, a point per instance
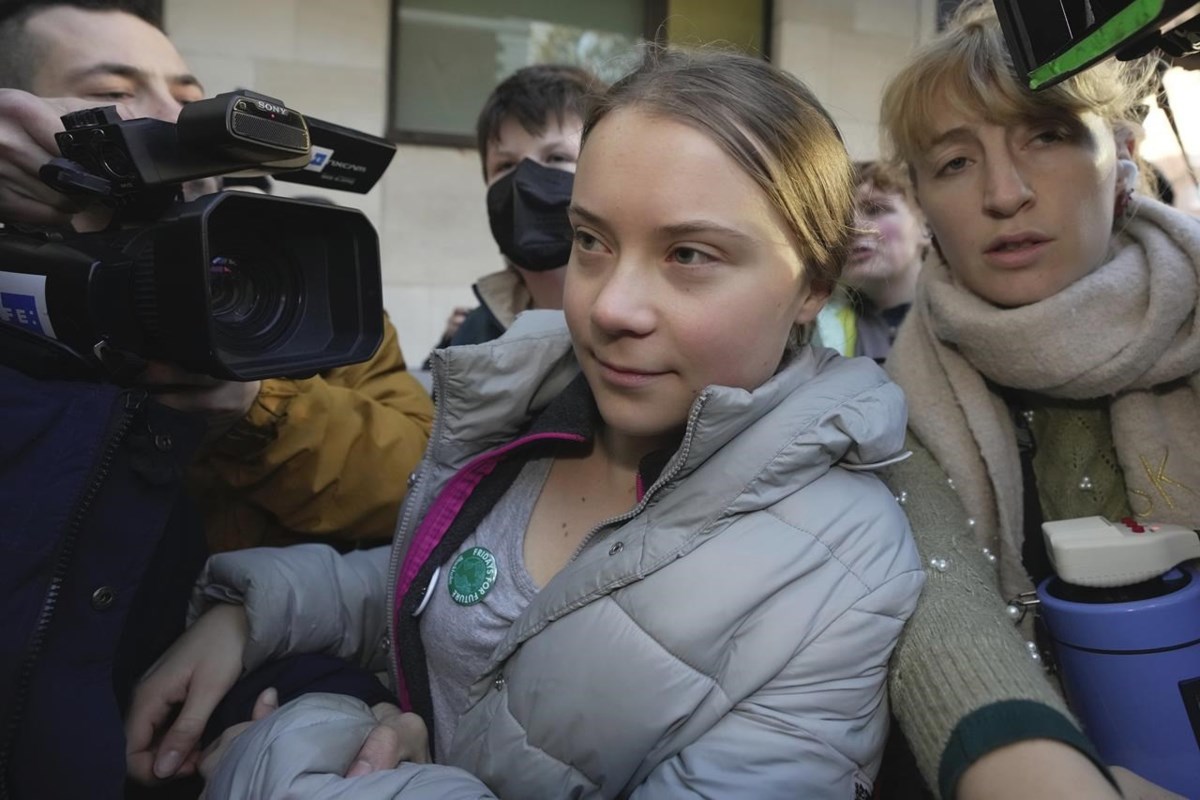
(325, 456)
(836, 684)
(303, 599)
(304, 749)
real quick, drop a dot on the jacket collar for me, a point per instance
(846, 410)
(504, 294)
(574, 413)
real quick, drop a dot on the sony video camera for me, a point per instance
(235, 285)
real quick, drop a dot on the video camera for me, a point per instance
(1051, 41)
(235, 285)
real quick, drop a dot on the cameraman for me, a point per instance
(99, 547)
(287, 460)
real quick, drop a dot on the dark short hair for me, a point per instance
(20, 54)
(531, 95)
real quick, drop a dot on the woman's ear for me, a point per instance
(1126, 136)
(818, 295)
(1127, 176)
(1126, 139)
(923, 226)
(1127, 170)
(926, 243)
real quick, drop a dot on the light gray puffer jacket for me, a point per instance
(735, 643)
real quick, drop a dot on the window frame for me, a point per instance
(654, 28)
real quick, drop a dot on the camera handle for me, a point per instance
(67, 177)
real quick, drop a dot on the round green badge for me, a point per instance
(472, 576)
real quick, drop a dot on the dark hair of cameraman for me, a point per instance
(22, 51)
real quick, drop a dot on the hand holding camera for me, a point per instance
(222, 403)
(27, 127)
(233, 286)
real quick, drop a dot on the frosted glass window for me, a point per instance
(449, 54)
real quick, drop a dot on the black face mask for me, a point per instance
(527, 209)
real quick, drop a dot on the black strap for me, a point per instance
(1033, 549)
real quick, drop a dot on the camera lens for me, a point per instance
(233, 290)
(254, 297)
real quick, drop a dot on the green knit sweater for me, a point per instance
(963, 682)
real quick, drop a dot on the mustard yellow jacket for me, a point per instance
(320, 459)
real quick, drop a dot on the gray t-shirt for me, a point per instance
(460, 639)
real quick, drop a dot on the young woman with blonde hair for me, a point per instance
(1051, 362)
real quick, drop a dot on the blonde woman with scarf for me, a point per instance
(1051, 362)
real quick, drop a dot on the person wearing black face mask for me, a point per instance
(528, 135)
(527, 211)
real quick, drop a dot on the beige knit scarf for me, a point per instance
(1129, 331)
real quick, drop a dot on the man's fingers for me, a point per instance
(195, 401)
(222, 405)
(31, 124)
(196, 672)
(140, 766)
(149, 710)
(190, 765)
(146, 714)
(185, 732)
(169, 376)
(178, 743)
(27, 200)
(30, 190)
(42, 116)
(28, 125)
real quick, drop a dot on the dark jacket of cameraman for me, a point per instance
(98, 549)
(320, 459)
